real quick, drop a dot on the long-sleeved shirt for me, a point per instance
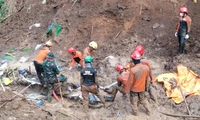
(76, 58)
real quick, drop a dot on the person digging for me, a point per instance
(76, 57)
(50, 74)
(121, 83)
(89, 83)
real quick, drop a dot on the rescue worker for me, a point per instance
(88, 51)
(183, 29)
(144, 61)
(137, 83)
(121, 83)
(76, 57)
(89, 83)
(50, 74)
(39, 59)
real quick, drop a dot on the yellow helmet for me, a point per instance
(93, 45)
(49, 43)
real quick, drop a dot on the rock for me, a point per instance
(146, 18)
(156, 25)
(198, 55)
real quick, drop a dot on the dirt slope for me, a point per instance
(117, 26)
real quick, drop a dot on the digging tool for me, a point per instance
(184, 100)
(103, 88)
(60, 91)
(15, 95)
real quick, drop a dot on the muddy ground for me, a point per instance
(117, 26)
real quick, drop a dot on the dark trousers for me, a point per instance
(181, 44)
(39, 70)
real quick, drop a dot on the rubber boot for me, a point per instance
(153, 96)
(86, 107)
(49, 99)
(182, 48)
(134, 106)
(146, 106)
(109, 99)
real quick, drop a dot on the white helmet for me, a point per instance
(93, 45)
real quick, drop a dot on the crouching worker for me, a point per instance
(137, 83)
(50, 74)
(121, 80)
(89, 83)
(76, 57)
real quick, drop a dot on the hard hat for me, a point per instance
(50, 55)
(88, 59)
(120, 67)
(183, 10)
(71, 50)
(6, 81)
(136, 55)
(48, 43)
(93, 45)
(140, 49)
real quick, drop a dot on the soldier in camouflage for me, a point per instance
(50, 74)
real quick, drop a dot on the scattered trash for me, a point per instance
(64, 116)
(93, 99)
(3, 61)
(29, 80)
(38, 46)
(195, 1)
(27, 50)
(9, 57)
(119, 114)
(23, 71)
(77, 85)
(44, 1)
(1, 73)
(35, 25)
(6, 81)
(58, 30)
(3, 66)
(39, 103)
(11, 50)
(55, 96)
(74, 3)
(49, 31)
(110, 57)
(59, 67)
(23, 59)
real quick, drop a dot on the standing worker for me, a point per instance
(50, 74)
(88, 51)
(183, 29)
(89, 83)
(138, 82)
(121, 80)
(39, 59)
(76, 57)
(144, 61)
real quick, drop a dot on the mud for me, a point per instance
(117, 26)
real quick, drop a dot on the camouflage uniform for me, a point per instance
(50, 72)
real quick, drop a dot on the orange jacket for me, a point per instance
(189, 22)
(122, 78)
(144, 62)
(138, 78)
(87, 52)
(76, 58)
(42, 55)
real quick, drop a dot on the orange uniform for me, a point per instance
(138, 78)
(87, 52)
(76, 58)
(144, 62)
(122, 78)
(186, 20)
(42, 55)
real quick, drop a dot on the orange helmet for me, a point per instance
(71, 50)
(183, 10)
(136, 55)
(140, 49)
(120, 67)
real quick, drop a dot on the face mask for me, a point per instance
(181, 14)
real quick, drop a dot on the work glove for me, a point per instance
(70, 68)
(176, 34)
(187, 36)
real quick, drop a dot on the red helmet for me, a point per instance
(120, 67)
(71, 50)
(183, 10)
(140, 49)
(136, 55)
